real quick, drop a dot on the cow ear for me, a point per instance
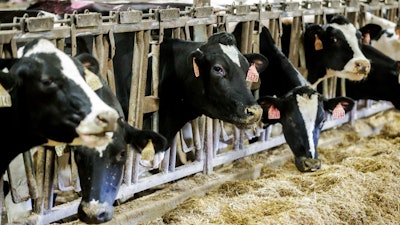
(338, 106)
(271, 109)
(259, 61)
(140, 139)
(194, 58)
(373, 30)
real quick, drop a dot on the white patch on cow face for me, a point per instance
(91, 124)
(232, 52)
(349, 32)
(308, 107)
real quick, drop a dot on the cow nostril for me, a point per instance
(101, 216)
(249, 112)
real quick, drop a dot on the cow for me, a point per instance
(382, 82)
(385, 40)
(287, 98)
(46, 101)
(196, 78)
(331, 50)
(100, 171)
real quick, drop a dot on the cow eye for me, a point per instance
(219, 70)
(48, 83)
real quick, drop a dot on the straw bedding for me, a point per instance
(358, 184)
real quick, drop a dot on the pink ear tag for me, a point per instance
(338, 112)
(273, 113)
(252, 74)
(196, 68)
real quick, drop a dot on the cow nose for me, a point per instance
(254, 113)
(107, 120)
(95, 214)
(362, 66)
(304, 164)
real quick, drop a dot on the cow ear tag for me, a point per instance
(92, 80)
(148, 151)
(273, 113)
(196, 68)
(338, 112)
(5, 98)
(252, 74)
(318, 43)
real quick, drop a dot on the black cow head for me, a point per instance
(302, 113)
(334, 50)
(101, 172)
(55, 97)
(100, 169)
(223, 71)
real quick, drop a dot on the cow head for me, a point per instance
(50, 92)
(302, 113)
(334, 50)
(223, 71)
(100, 169)
(100, 172)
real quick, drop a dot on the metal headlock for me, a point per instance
(37, 182)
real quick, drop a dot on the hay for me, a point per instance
(358, 184)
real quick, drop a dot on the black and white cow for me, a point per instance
(287, 98)
(331, 50)
(385, 40)
(382, 82)
(50, 102)
(100, 169)
(196, 78)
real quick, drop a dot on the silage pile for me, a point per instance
(358, 184)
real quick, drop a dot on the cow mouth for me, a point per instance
(97, 139)
(307, 165)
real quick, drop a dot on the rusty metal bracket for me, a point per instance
(240, 10)
(87, 19)
(41, 23)
(163, 15)
(312, 5)
(290, 6)
(202, 12)
(333, 4)
(130, 16)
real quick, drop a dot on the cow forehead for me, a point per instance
(232, 52)
(349, 32)
(68, 66)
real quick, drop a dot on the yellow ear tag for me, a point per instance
(148, 151)
(318, 43)
(196, 68)
(60, 149)
(93, 80)
(5, 98)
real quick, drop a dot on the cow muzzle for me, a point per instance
(96, 129)
(357, 69)
(252, 116)
(304, 164)
(95, 212)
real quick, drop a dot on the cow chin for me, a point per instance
(304, 164)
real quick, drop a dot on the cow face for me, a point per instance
(100, 171)
(223, 71)
(302, 113)
(57, 101)
(335, 48)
